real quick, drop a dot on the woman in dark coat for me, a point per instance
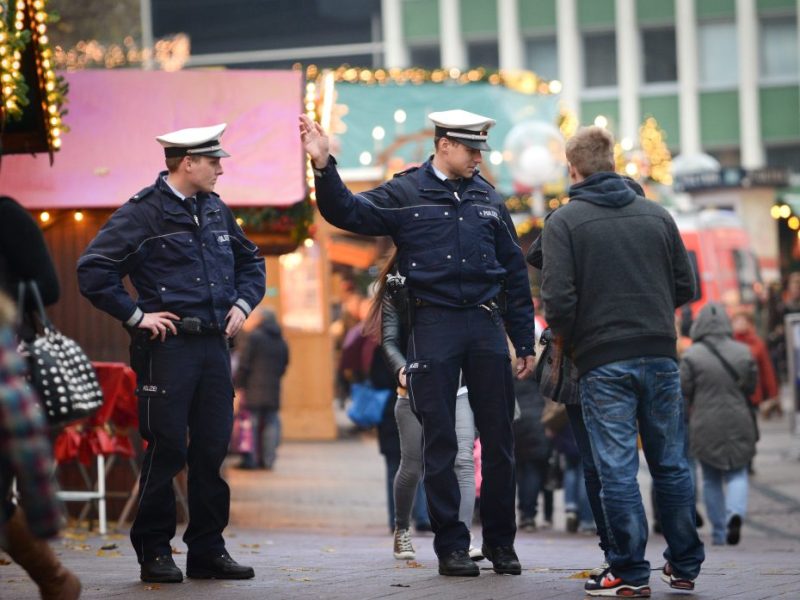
(722, 430)
(263, 363)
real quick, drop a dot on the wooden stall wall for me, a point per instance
(100, 335)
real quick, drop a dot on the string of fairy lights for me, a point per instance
(14, 37)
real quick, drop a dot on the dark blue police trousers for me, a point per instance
(184, 385)
(444, 341)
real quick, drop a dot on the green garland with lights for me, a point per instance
(12, 43)
(296, 220)
(13, 40)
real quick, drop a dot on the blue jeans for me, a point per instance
(530, 477)
(615, 398)
(575, 497)
(590, 476)
(722, 504)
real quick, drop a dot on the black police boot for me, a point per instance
(162, 569)
(504, 559)
(458, 564)
(220, 566)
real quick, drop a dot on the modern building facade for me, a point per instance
(720, 76)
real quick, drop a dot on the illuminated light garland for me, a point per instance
(13, 89)
(170, 54)
(525, 82)
(55, 87)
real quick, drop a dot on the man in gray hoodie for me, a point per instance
(614, 271)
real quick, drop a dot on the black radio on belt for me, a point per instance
(191, 325)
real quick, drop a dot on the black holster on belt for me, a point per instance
(140, 349)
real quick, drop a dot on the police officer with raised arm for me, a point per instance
(197, 278)
(466, 276)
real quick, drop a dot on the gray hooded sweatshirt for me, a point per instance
(722, 433)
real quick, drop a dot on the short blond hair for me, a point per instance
(591, 150)
(174, 162)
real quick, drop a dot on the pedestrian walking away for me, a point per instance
(198, 278)
(458, 251)
(614, 272)
(718, 375)
(258, 377)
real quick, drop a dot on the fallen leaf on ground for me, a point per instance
(581, 575)
(112, 554)
(301, 579)
(74, 536)
(250, 545)
(175, 550)
(412, 564)
(329, 550)
(399, 585)
(4, 561)
(108, 547)
(150, 588)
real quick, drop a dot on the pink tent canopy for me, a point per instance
(114, 116)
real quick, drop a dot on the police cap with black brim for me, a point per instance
(195, 141)
(463, 126)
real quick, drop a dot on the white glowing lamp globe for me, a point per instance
(536, 153)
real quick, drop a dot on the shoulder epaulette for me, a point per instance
(406, 172)
(486, 181)
(139, 196)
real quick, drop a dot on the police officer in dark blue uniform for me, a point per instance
(458, 250)
(198, 278)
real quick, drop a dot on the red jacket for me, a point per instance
(767, 386)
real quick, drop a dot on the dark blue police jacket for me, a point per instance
(174, 264)
(455, 249)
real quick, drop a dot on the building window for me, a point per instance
(787, 157)
(599, 59)
(778, 48)
(660, 56)
(541, 57)
(425, 57)
(483, 54)
(719, 55)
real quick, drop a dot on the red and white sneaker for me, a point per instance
(611, 585)
(676, 583)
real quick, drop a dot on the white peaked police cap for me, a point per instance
(463, 126)
(195, 141)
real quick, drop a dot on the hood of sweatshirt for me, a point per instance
(606, 189)
(712, 321)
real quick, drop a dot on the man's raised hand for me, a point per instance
(315, 141)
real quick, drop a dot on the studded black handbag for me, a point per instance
(58, 368)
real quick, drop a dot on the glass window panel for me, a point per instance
(426, 57)
(599, 59)
(784, 156)
(541, 57)
(719, 55)
(483, 54)
(660, 57)
(778, 41)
